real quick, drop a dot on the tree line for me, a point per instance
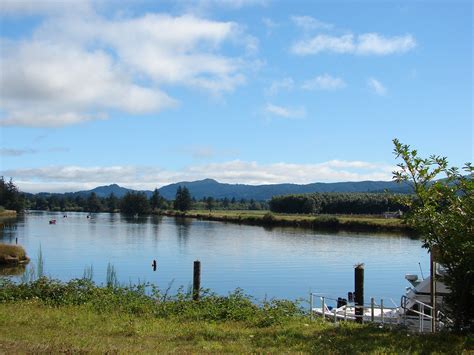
(339, 203)
(131, 203)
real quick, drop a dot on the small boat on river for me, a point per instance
(52, 221)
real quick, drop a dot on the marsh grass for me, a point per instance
(368, 223)
(12, 254)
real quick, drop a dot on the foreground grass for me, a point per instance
(266, 218)
(78, 316)
(31, 326)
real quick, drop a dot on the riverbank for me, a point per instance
(48, 316)
(12, 255)
(362, 223)
(7, 213)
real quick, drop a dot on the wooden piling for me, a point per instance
(196, 280)
(359, 292)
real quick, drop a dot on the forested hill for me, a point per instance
(212, 188)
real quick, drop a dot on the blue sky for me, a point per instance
(144, 93)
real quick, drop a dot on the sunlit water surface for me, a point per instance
(278, 262)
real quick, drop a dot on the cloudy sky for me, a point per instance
(146, 93)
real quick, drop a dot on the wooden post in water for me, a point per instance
(359, 292)
(196, 280)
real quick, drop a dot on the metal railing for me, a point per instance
(372, 312)
(421, 314)
(418, 317)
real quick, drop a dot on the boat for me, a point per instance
(52, 221)
(413, 312)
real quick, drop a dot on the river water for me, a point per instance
(277, 262)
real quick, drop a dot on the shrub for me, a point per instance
(12, 254)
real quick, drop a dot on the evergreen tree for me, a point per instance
(225, 202)
(134, 203)
(112, 202)
(10, 196)
(156, 200)
(93, 203)
(182, 200)
(210, 203)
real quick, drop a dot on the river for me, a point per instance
(277, 262)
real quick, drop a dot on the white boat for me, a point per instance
(414, 310)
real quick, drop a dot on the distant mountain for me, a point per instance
(104, 191)
(213, 188)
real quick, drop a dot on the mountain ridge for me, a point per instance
(212, 188)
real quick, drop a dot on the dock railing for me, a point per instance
(326, 307)
(416, 318)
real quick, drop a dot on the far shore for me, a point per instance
(360, 223)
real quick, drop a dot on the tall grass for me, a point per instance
(111, 279)
(40, 263)
(88, 273)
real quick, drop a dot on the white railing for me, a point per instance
(372, 312)
(419, 319)
(422, 314)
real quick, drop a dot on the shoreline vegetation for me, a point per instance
(12, 255)
(78, 316)
(7, 213)
(358, 223)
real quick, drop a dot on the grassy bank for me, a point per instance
(363, 223)
(12, 255)
(6, 213)
(48, 316)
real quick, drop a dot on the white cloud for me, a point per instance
(364, 44)
(373, 43)
(285, 112)
(324, 82)
(43, 7)
(9, 152)
(278, 85)
(310, 23)
(52, 85)
(270, 25)
(73, 178)
(377, 86)
(77, 68)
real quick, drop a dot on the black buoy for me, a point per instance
(153, 265)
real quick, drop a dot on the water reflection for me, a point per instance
(12, 270)
(183, 228)
(134, 219)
